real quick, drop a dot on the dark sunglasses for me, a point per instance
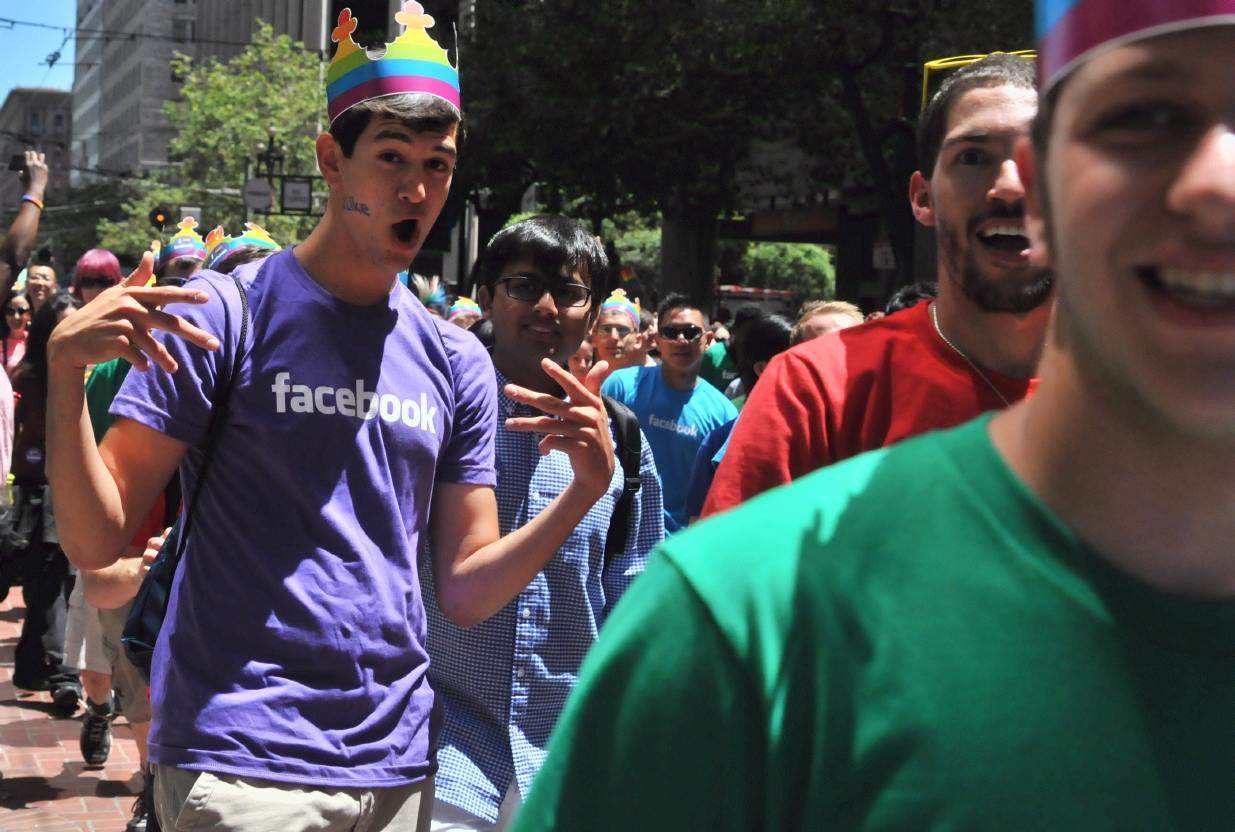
(688, 331)
(170, 281)
(532, 289)
(17, 310)
(96, 282)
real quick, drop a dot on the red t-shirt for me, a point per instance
(848, 392)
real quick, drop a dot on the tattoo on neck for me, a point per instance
(350, 204)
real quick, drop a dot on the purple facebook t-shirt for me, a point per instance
(293, 648)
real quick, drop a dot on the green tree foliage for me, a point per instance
(223, 111)
(639, 104)
(806, 270)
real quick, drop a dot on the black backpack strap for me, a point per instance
(629, 454)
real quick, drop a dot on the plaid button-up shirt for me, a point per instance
(504, 682)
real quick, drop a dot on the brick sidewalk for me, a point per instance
(45, 783)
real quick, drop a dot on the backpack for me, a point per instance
(628, 452)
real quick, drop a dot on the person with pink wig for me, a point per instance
(97, 269)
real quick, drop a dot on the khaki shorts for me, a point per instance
(83, 634)
(132, 694)
(203, 801)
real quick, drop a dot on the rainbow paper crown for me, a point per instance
(1072, 31)
(219, 246)
(463, 306)
(414, 63)
(188, 243)
(618, 302)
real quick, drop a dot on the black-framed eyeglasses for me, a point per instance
(532, 289)
(673, 332)
(615, 329)
(17, 310)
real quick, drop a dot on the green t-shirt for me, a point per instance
(908, 640)
(718, 367)
(102, 386)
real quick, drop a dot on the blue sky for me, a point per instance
(25, 48)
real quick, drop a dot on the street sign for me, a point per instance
(187, 211)
(297, 195)
(258, 195)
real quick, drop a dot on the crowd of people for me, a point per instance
(565, 555)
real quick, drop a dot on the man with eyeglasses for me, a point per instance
(618, 338)
(504, 682)
(676, 411)
(40, 284)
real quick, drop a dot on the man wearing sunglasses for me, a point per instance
(675, 410)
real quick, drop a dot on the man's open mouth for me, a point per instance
(405, 230)
(1010, 238)
(1198, 289)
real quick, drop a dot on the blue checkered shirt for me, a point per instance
(504, 682)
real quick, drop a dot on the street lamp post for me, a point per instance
(271, 155)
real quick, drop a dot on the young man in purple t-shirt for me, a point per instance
(289, 685)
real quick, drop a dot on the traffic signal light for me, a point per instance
(158, 217)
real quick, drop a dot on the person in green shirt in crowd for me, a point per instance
(1024, 623)
(722, 361)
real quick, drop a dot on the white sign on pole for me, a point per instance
(187, 211)
(258, 195)
(297, 195)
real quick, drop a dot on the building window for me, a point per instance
(34, 122)
(58, 124)
(182, 30)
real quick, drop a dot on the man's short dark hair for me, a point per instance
(186, 261)
(746, 316)
(673, 301)
(419, 112)
(555, 245)
(241, 255)
(997, 70)
(768, 337)
(646, 319)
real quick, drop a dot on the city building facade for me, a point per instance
(124, 51)
(34, 118)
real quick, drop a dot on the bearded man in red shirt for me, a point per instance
(940, 363)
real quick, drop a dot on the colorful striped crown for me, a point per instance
(463, 306)
(219, 245)
(618, 302)
(1072, 31)
(188, 243)
(414, 63)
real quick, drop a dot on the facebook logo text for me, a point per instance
(358, 402)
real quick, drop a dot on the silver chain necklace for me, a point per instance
(968, 360)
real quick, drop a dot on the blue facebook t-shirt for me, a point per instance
(294, 645)
(675, 424)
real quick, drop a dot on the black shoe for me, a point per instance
(31, 683)
(96, 732)
(65, 699)
(143, 812)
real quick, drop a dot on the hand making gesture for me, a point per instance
(578, 426)
(118, 323)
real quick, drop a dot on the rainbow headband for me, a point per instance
(463, 306)
(219, 246)
(1073, 31)
(414, 63)
(188, 243)
(618, 302)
